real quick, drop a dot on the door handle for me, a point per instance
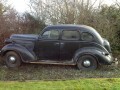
(62, 43)
(56, 43)
(59, 43)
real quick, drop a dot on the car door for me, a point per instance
(49, 45)
(69, 44)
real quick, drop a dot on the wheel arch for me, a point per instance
(5, 52)
(24, 54)
(81, 52)
(85, 53)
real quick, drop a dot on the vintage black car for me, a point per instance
(79, 45)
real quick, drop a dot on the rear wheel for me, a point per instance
(12, 59)
(87, 62)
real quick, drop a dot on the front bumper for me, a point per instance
(107, 59)
(115, 62)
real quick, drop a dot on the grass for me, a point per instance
(81, 84)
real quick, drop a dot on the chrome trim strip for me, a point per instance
(53, 63)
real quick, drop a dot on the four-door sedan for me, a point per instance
(79, 45)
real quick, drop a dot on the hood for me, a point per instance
(24, 36)
(26, 40)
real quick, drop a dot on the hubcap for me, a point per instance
(87, 63)
(12, 59)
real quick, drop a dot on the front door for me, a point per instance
(69, 44)
(49, 45)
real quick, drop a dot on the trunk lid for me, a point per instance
(107, 45)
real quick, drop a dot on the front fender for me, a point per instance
(97, 53)
(25, 54)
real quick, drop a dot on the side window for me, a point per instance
(51, 34)
(86, 36)
(70, 35)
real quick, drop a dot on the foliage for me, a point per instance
(12, 22)
(6, 17)
(112, 14)
(32, 24)
(105, 19)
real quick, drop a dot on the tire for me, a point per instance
(87, 62)
(12, 59)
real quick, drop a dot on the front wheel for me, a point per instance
(87, 62)
(12, 59)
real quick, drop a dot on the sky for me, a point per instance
(21, 5)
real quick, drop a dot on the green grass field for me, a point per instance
(81, 84)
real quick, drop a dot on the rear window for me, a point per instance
(70, 35)
(86, 36)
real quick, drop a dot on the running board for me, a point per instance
(54, 62)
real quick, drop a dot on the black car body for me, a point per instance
(79, 45)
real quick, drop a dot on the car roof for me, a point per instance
(84, 28)
(66, 26)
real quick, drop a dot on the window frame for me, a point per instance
(49, 38)
(93, 38)
(70, 39)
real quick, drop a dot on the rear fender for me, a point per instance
(25, 54)
(96, 53)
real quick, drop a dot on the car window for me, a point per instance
(86, 36)
(70, 35)
(51, 34)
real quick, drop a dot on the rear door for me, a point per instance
(69, 44)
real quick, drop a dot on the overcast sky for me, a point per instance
(21, 5)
